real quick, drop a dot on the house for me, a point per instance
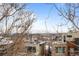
(59, 48)
(73, 43)
(5, 44)
(34, 49)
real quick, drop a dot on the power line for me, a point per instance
(47, 19)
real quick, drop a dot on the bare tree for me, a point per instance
(16, 17)
(70, 13)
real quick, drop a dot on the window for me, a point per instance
(31, 49)
(69, 35)
(60, 49)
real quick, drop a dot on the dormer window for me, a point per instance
(69, 36)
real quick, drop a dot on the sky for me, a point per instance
(46, 13)
(47, 18)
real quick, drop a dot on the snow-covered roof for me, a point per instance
(58, 42)
(5, 41)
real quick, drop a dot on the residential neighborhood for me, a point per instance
(38, 29)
